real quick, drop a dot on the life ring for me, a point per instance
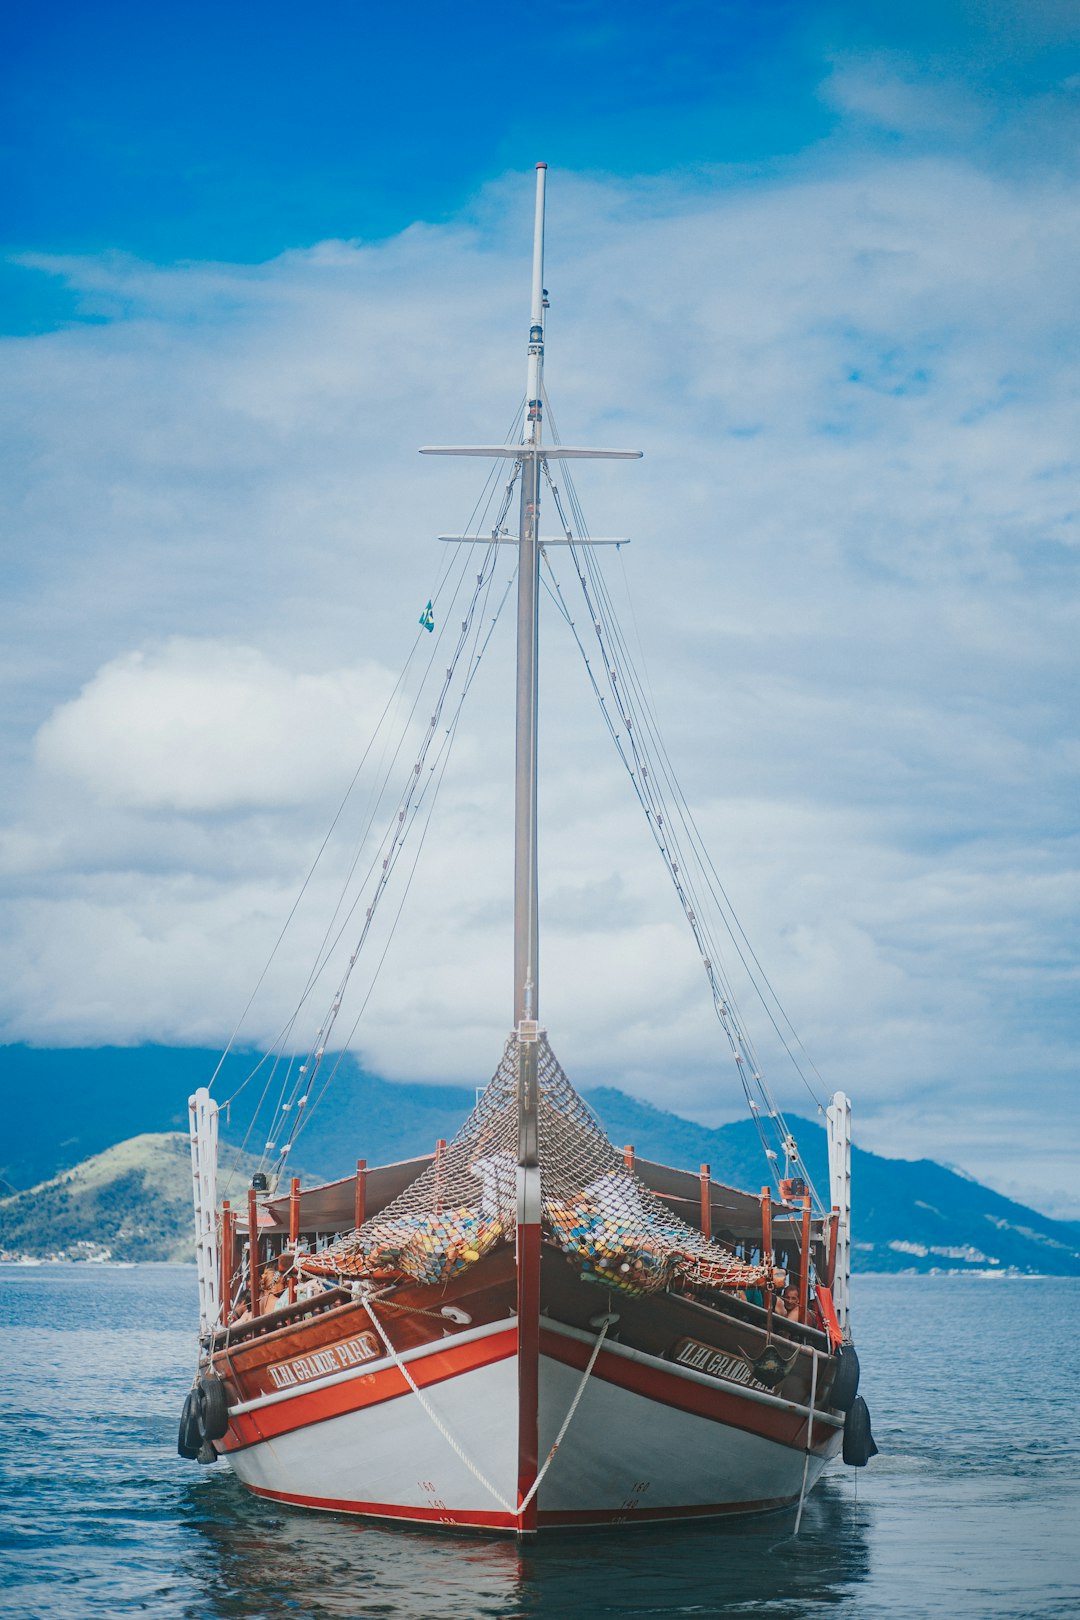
(190, 1437)
(845, 1384)
(859, 1444)
(214, 1414)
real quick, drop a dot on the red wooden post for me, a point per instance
(361, 1193)
(804, 1262)
(628, 1156)
(226, 1259)
(253, 1253)
(706, 1202)
(834, 1224)
(294, 1232)
(768, 1261)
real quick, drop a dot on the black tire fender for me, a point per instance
(845, 1383)
(859, 1444)
(190, 1437)
(215, 1406)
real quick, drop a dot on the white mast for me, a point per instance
(529, 455)
(526, 926)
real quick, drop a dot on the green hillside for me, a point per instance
(132, 1202)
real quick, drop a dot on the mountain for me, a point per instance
(66, 1110)
(63, 1106)
(907, 1214)
(132, 1202)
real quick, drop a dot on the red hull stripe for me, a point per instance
(627, 1515)
(478, 1519)
(668, 1389)
(366, 1389)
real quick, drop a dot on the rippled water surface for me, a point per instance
(972, 1508)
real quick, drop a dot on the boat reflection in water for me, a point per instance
(244, 1558)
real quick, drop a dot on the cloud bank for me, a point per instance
(853, 577)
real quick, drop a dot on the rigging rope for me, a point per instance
(458, 564)
(644, 756)
(392, 842)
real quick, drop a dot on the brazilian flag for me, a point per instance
(427, 618)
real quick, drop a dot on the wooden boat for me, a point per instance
(529, 1328)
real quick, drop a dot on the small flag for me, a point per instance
(427, 618)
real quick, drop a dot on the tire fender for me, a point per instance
(859, 1444)
(190, 1437)
(215, 1406)
(845, 1383)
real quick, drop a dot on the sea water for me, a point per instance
(971, 1509)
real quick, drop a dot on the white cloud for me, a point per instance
(853, 571)
(200, 726)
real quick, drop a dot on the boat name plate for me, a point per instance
(705, 1358)
(331, 1358)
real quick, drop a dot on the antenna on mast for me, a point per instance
(534, 391)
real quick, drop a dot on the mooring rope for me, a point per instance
(451, 1439)
(566, 1420)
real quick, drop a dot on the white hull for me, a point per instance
(626, 1453)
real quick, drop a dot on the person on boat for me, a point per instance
(780, 1285)
(274, 1292)
(788, 1303)
(241, 1311)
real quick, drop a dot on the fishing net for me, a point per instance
(594, 1208)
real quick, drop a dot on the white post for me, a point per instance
(838, 1117)
(203, 1117)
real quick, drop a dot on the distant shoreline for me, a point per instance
(982, 1275)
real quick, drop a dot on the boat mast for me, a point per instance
(526, 930)
(530, 456)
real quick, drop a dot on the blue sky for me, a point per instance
(209, 132)
(818, 261)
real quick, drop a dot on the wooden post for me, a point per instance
(834, 1227)
(253, 1253)
(294, 1232)
(706, 1202)
(628, 1157)
(361, 1193)
(226, 1259)
(804, 1263)
(767, 1261)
